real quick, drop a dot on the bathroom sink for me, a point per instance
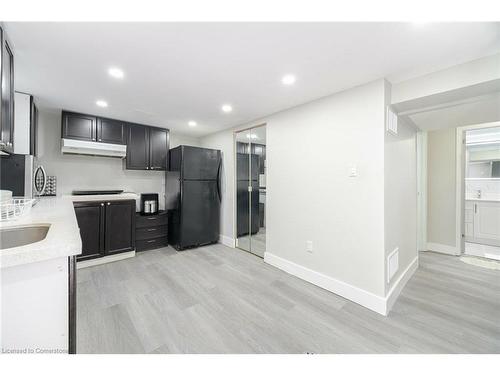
(20, 236)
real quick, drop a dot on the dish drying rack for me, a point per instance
(15, 208)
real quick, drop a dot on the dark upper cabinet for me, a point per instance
(120, 227)
(158, 148)
(111, 131)
(79, 126)
(106, 228)
(137, 147)
(6, 95)
(90, 217)
(147, 147)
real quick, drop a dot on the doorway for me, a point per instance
(250, 157)
(480, 198)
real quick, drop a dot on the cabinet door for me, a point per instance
(7, 95)
(110, 131)
(78, 126)
(137, 147)
(90, 217)
(120, 227)
(487, 220)
(158, 148)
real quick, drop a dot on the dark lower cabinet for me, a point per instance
(90, 217)
(151, 231)
(120, 227)
(106, 228)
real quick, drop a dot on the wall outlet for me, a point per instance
(309, 246)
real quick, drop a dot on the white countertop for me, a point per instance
(63, 236)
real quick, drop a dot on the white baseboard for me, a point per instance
(481, 250)
(227, 241)
(440, 248)
(355, 294)
(400, 283)
(106, 259)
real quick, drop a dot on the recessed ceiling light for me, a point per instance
(192, 123)
(116, 73)
(101, 103)
(288, 79)
(227, 108)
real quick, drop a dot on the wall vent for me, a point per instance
(392, 264)
(392, 122)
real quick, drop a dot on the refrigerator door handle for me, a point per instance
(218, 180)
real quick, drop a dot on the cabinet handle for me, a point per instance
(151, 241)
(475, 208)
(151, 230)
(152, 218)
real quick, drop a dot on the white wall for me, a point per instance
(441, 188)
(400, 172)
(181, 139)
(310, 196)
(470, 74)
(88, 172)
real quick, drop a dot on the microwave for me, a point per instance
(22, 175)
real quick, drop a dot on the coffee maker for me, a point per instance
(149, 204)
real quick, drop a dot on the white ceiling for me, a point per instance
(475, 112)
(176, 72)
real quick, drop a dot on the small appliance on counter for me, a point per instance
(51, 188)
(22, 175)
(149, 204)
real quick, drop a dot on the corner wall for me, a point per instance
(441, 191)
(310, 152)
(400, 218)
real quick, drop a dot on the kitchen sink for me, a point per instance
(20, 236)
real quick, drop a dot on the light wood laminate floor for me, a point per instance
(220, 300)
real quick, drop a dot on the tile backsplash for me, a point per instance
(490, 188)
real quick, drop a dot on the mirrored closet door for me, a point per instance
(251, 190)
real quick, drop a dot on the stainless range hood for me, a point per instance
(72, 146)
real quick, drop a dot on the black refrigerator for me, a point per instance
(247, 203)
(193, 196)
